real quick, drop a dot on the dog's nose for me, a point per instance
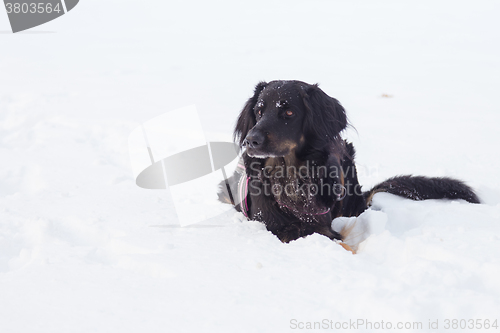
(254, 140)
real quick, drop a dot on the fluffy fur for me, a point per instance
(300, 173)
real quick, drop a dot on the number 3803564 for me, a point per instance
(32, 8)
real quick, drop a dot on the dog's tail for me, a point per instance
(422, 188)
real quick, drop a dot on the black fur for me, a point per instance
(422, 188)
(291, 133)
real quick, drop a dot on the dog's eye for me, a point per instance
(289, 113)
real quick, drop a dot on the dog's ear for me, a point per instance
(246, 121)
(325, 117)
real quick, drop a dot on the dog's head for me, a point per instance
(283, 117)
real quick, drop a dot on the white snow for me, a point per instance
(82, 249)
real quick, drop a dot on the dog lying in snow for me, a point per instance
(297, 173)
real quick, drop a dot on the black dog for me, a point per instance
(297, 174)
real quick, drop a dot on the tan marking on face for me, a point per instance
(287, 145)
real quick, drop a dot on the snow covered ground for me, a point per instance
(82, 249)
